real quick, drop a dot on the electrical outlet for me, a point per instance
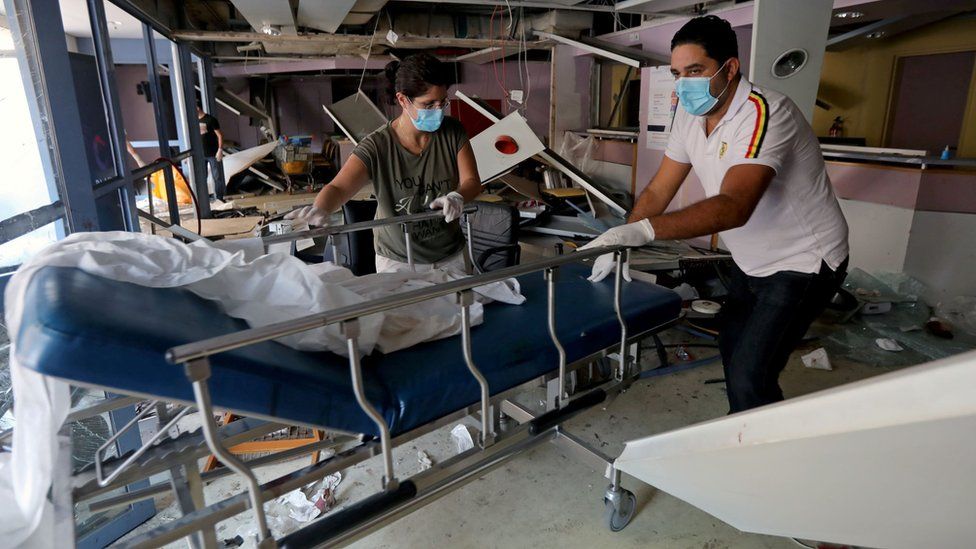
(516, 95)
(635, 37)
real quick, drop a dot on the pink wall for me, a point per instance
(866, 183)
(480, 80)
(237, 129)
(571, 103)
(137, 113)
(944, 191)
(299, 103)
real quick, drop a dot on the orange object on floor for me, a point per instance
(158, 183)
(261, 446)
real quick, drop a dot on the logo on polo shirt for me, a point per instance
(723, 149)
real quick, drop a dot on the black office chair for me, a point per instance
(494, 236)
(359, 245)
(494, 226)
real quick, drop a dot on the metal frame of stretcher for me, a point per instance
(397, 497)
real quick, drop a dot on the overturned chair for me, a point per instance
(94, 332)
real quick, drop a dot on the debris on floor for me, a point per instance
(424, 459)
(817, 359)
(300, 508)
(323, 492)
(288, 512)
(891, 307)
(889, 344)
(235, 541)
(462, 438)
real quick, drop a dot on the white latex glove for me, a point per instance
(311, 215)
(451, 204)
(634, 234)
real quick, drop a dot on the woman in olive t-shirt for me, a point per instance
(419, 161)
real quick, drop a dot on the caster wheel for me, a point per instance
(617, 517)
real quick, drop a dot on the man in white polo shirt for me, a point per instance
(767, 194)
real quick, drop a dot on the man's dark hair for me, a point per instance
(712, 33)
(416, 74)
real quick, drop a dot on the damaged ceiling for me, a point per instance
(238, 31)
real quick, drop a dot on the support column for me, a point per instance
(159, 112)
(113, 113)
(187, 111)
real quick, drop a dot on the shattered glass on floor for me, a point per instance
(908, 322)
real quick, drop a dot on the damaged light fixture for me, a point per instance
(789, 63)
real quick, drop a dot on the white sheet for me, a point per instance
(261, 289)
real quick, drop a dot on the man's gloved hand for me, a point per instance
(311, 215)
(451, 204)
(634, 234)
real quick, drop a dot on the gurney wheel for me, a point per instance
(618, 516)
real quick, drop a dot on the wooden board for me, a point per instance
(224, 227)
(568, 192)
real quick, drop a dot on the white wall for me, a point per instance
(942, 254)
(878, 235)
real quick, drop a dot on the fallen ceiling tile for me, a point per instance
(356, 116)
(503, 145)
(884, 462)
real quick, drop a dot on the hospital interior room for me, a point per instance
(488, 274)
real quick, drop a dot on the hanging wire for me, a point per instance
(370, 52)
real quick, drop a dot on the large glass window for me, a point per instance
(25, 186)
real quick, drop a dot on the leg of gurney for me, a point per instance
(198, 371)
(188, 487)
(61, 488)
(617, 286)
(465, 299)
(551, 276)
(350, 329)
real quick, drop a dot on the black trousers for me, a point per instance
(763, 321)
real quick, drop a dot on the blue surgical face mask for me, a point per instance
(428, 120)
(695, 94)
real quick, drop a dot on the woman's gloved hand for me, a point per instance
(311, 215)
(451, 205)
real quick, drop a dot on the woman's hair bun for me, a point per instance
(391, 71)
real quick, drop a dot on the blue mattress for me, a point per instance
(95, 331)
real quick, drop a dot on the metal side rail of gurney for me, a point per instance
(397, 496)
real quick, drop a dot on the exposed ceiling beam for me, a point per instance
(523, 4)
(654, 6)
(634, 57)
(486, 55)
(404, 41)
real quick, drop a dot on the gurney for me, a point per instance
(94, 332)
